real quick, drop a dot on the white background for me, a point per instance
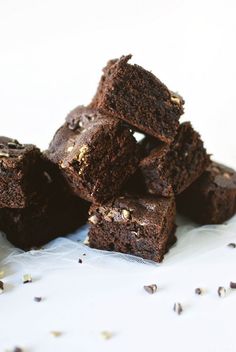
(51, 56)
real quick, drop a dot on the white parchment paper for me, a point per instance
(106, 292)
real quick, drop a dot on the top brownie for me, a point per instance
(96, 153)
(138, 97)
(22, 173)
(169, 169)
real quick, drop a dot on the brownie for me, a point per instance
(22, 173)
(170, 169)
(212, 198)
(138, 97)
(142, 226)
(95, 153)
(54, 213)
(43, 221)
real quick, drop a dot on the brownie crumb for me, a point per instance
(232, 285)
(232, 245)
(18, 349)
(37, 299)
(150, 288)
(178, 308)
(221, 292)
(80, 261)
(198, 291)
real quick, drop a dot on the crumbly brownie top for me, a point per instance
(146, 210)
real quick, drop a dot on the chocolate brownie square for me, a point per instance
(22, 173)
(170, 169)
(96, 153)
(142, 226)
(138, 97)
(212, 198)
(43, 221)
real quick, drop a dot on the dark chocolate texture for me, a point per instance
(142, 226)
(52, 214)
(170, 169)
(136, 96)
(96, 154)
(212, 198)
(23, 173)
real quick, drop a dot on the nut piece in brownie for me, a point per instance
(53, 214)
(22, 173)
(212, 198)
(96, 153)
(138, 97)
(169, 169)
(142, 226)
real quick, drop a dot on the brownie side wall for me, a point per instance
(187, 158)
(207, 206)
(167, 171)
(147, 241)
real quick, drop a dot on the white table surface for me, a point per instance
(51, 55)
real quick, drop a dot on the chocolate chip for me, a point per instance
(198, 291)
(37, 299)
(1, 287)
(232, 285)
(150, 288)
(221, 292)
(232, 245)
(80, 261)
(178, 308)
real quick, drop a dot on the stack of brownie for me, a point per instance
(133, 186)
